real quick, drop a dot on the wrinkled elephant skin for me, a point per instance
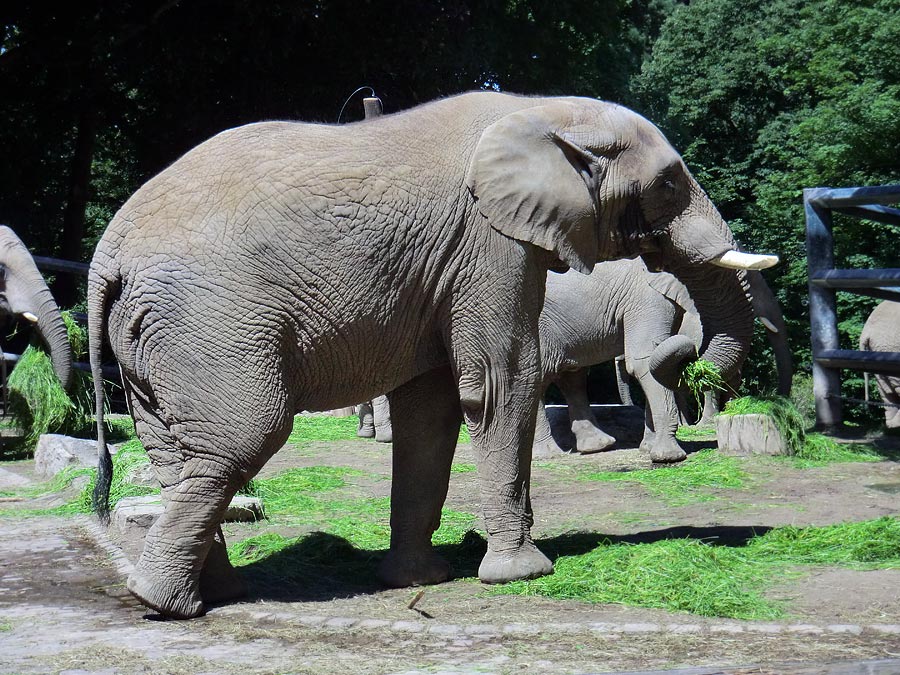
(285, 266)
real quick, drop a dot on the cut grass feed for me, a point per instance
(713, 580)
(689, 481)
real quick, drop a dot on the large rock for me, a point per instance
(139, 513)
(749, 435)
(55, 452)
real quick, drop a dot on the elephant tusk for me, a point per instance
(768, 324)
(738, 260)
(31, 317)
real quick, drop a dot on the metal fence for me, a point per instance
(873, 203)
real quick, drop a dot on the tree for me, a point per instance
(768, 97)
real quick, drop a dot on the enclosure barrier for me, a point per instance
(825, 280)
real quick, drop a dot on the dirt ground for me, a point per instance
(63, 606)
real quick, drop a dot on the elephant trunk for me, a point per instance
(29, 296)
(669, 358)
(766, 307)
(723, 304)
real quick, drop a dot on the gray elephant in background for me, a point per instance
(23, 292)
(375, 420)
(620, 308)
(881, 333)
(408, 254)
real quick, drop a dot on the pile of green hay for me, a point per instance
(37, 402)
(700, 376)
(811, 448)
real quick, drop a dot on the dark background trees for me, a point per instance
(763, 98)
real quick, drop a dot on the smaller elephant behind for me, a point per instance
(620, 308)
(24, 293)
(375, 420)
(881, 333)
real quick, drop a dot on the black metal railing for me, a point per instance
(873, 203)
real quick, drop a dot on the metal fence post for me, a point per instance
(822, 311)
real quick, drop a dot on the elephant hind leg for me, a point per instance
(424, 438)
(200, 466)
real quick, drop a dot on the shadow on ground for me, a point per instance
(324, 567)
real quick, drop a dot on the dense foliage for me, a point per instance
(764, 98)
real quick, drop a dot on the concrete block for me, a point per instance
(244, 509)
(749, 435)
(55, 452)
(139, 513)
(136, 513)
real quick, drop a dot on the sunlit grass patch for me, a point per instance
(689, 481)
(130, 456)
(695, 433)
(462, 467)
(308, 428)
(713, 580)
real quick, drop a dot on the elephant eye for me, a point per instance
(670, 185)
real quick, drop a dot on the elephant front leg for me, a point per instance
(589, 437)
(500, 404)
(426, 419)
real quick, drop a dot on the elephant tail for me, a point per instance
(100, 289)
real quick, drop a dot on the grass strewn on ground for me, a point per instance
(308, 428)
(683, 483)
(696, 432)
(713, 580)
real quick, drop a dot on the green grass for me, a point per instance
(39, 405)
(708, 580)
(806, 449)
(462, 467)
(129, 456)
(700, 376)
(695, 433)
(684, 483)
(309, 428)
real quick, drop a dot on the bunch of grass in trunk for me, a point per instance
(700, 376)
(37, 402)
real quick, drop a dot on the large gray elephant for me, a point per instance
(881, 333)
(620, 308)
(285, 266)
(23, 292)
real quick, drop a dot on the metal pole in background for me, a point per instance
(822, 311)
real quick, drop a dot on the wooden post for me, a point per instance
(822, 310)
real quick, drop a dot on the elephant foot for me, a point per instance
(398, 570)
(525, 563)
(219, 581)
(664, 454)
(546, 449)
(366, 431)
(383, 435)
(177, 597)
(590, 439)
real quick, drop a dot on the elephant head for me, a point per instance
(589, 180)
(24, 293)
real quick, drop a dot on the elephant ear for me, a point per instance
(536, 180)
(667, 285)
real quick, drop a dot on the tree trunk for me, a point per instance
(65, 288)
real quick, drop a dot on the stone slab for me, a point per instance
(139, 513)
(55, 453)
